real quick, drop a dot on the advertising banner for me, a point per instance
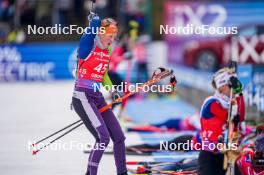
(252, 78)
(200, 34)
(37, 62)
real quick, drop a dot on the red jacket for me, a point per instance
(94, 67)
(214, 117)
(245, 163)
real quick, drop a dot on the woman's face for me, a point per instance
(107, 39)
(225, 90)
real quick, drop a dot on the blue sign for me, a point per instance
(37, 62)
(252, 77)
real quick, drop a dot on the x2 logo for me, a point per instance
(244, 47)
(248, 49)
(185, 14)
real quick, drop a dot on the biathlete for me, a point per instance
(214, 114)
(93, 62)
(252, 159)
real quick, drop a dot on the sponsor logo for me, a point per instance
(13, 69)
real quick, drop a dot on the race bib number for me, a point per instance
(101, 68)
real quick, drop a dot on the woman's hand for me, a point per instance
(116, 97)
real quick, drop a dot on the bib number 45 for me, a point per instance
(101, 68)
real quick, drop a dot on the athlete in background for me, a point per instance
(119, 54)
(214, 114)
(93, 62)
(252, 159)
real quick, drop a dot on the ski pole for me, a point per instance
(56, 132)
(34, 152)
(66, 127)
(57, 138)
(152, 81)
(230, 117)
(232, 67)
(91, 12)
(230, 134)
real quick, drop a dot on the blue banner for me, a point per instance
(252, 77)
(37, 62)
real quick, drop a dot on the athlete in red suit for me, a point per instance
(214, 114)
(93, 63)
(252, 153)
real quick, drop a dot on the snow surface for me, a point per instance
(30, 111)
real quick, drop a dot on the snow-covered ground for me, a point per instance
(30, 111)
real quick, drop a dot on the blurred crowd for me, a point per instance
(16, 15)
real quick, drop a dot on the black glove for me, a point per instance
(236, 85)
(236, 120)
(115, 96)
(173, 81)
